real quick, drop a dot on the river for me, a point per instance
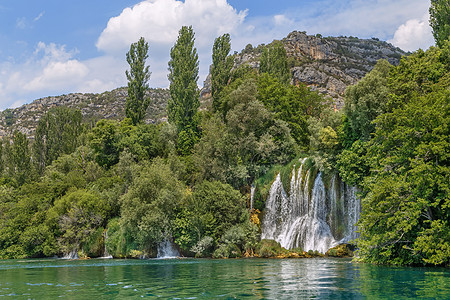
(316, 278)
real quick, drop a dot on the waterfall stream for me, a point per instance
(312, 218)
(72, 254)
(166, 249)
(252, 196)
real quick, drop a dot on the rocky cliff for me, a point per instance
(108, 105)
(327, 65)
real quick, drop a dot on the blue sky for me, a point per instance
(52, 47)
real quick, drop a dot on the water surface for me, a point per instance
(222, 279)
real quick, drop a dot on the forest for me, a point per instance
(126, 186)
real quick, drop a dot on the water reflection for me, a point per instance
(226, 279)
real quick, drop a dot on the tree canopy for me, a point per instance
(138, 77)
(183, 104)
(221, 67)
(440, 20)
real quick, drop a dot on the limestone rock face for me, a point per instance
(327, 65)
(330, 64)
(108, 105)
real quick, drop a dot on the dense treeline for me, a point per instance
(397, 145)
(128, 186)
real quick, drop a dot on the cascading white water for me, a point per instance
(312, 219)
(106, 254)
(71, 255)
(166, 249)
(252, 196)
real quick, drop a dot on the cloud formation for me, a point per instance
(52, 69)
(413, 34)
(159, 21)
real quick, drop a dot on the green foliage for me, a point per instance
(342, 250)
(18, 158)
(353, 164)
(244, 237)
(78, 215)
(216, 208)
(203, 247)
(150, 205)
(366, 100)
(118, 244)
(268, 248)
(221, 68)
(407, 197)
(292, 104)
(419, 74)
(324, 139)
(433, 243)
(246, 143)
(440, 21)
(183, 104)
(274, 62)
(56, 134)
(227, 251)
(104, 140)
(138, 77)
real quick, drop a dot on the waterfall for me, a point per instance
(166, 249)
(106, 254)
(252, 196)
(72, 254)
(312, 218)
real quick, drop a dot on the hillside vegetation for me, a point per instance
(127, 185)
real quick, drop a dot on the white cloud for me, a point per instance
(58, 74)
(53, 52)
(281, 20)
(21, 23)
(361, 18)
(160, 20)
(39, 16)
(17, 103)
(413, 34)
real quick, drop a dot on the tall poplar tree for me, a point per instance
(221, 67)
(17, 157)
(184, 101)
(274, 61)
(138, 77)
(440, 20)
(56, 134)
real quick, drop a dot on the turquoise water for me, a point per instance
(222, 279)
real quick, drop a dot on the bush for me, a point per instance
(268, 248)
(227, 251)
(203, 247)
(343, 250)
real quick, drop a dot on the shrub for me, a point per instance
(268, 248)
(203, 247)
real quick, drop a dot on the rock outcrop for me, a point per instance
(108, 105)
(327, 65)
(330, 64)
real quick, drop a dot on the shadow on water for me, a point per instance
(227, 279)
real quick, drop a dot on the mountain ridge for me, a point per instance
(325, 64)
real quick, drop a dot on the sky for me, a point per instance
(55, 47)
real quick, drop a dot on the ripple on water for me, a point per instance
(204, 279)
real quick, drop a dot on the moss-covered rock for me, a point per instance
(272, 249)
(268, 248)
(229, 250)
(342, 250)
